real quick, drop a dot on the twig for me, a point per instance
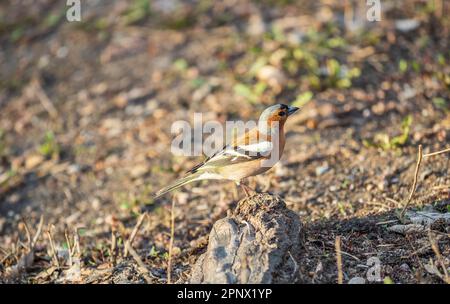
(435, 248)
(414, 185)
(113, 247)
(386, 222)
(350, 255)
(76, 243)
(437, 152)
(52, 246)
(38, 231)
(27, 259)
(27, 231)
(69, 246)
(44, 99)
(141, 266)
(130, 240)
(172, 233)
(295, 265)
(339, 259)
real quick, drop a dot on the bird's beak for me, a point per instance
(292, 110)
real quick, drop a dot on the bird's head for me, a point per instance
(276, 115)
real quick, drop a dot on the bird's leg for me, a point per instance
(248, 189)
(238, 183)
(244, 187)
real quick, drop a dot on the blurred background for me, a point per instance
(86, 109)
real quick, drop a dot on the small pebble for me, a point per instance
(357, 280)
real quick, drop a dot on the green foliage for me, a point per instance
(387, 280)
(441, 59)
(441, 103)
(403, 65)
(52, 19)
(17, 33)
(81, 231)
(2, 143)
(138, 11)
(49, 147)
(153, 252)
(311, 62)
(303, 99)
(180, 64)
(339, 77)
(345, 208)
(383, 141)
(197, 82)
(251, 93)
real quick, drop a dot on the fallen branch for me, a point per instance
(130, 240)
(44, 99)
(141, 266)
(437, 152)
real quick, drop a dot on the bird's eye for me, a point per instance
(282, 113)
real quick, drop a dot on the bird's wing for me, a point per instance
(249, 146)
(235, 154)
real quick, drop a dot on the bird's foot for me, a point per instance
(248, 190)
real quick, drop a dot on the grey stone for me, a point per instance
(259, 242)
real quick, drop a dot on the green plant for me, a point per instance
(303, 99)
(2, 143)
(180, 64)
(153, 252)
(387, 280)
(250, 93)
(383, 141)
(50, 147)
(403, 65)
(138, 11)
(441, 103)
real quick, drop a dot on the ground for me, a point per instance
(85, 132)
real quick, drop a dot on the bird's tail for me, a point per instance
(177, 184)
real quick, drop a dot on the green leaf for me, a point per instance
(403, 65)
(303, 99)
(245, 91)
(259, 63)
(440, 103)
(180, 64)
(403, 138)
(49, 147)
(388, 280)
(153, 252)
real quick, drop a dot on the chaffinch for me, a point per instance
(252, 153)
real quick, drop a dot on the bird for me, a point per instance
(252, 153)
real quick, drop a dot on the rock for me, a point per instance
(427, 216)
(321, 170)
(258, 243)
(33, 161)
(420, 221)
(256, 26)
(406, 25)
(406, 229)
(273, 76)
(405, 267)
(357, 280)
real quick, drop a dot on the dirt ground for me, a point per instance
(85, 130)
